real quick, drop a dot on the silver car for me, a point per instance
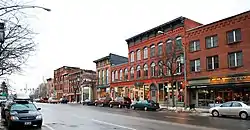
(232, 108)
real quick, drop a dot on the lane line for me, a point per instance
(111, 124)
(178, 118)
(49, 127)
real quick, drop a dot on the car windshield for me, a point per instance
(23, 107)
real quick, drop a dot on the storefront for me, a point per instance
(103, 91)
(219, 90)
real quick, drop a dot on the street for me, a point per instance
(77, 117)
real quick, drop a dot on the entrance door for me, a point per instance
(153, 92)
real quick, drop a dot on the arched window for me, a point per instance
(138, 71)
(103, 77)
(121, 74)
(132, 57)
(145, 69)
(145, 53)
(178, 66)
(113, 76)
(168, 67)
(138, 55)
(160, 49)
(107, 76)
(152, 69)
(152, 51)
(132, 73)
(160, 68)
(116, 75)
(126, 74)
(178, 43)
(169, 46)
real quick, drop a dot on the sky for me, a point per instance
(77, 32)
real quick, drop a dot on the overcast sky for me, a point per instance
(76, 32)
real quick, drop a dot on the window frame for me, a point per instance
(235, 40)
(213, 62)
(145, 55)
(195, 65)
(138, 55)
(160, 49)
(195, 44)
(152, 53)
(212, 40)
(132, 56)
(235, 59)
(152, 71)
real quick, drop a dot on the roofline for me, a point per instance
(219, 21)
(101, 59)
(179, 18)
(118, 55)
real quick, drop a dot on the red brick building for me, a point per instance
(50, 87)
(217, 63)
(145, 75)
(61, 82)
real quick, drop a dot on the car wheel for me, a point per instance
(110, 105)
(215, 113)
(120, 106)
(102, 105)
(95, 104)
(133, 107)
(39, 125)
(145, 108)
(243, 115)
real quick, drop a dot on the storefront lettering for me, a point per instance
(230, 79)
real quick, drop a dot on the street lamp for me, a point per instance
(2, 32)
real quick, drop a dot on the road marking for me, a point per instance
(111, 124)
(178, 118)
(49, 127)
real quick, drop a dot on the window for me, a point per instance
(132, 73)
(194, 46)
(120, 74)
(126, 74)
(234, 36)
(103, 77)
(138, 71)
(178, 43)
(99, 77)
(169, 46)
(178, 66)
(212, 41)
(145, 69)
(138, 55)
(113, 76)
(116, 75)
(160, 49)
(160, 68)
(227, 104)
(236, 104)
(152, 51)
(195, 65)
(212, 62)
(145, 53)
(235, 59)
(153, 69)
(132, 57)
(107, 76)
(168, 68)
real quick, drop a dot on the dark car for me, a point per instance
(146, 105)
(21, 113)
(63, 100)
(88, 102)
(120, 102)
(103, 101)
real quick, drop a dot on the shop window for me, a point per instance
(194, 46)
(132, 73)
(145, 69)
(153, 69)
(235, 59)
(234, 36)
(138, 72)
(152, 51)
(211, 41)
(212, 62)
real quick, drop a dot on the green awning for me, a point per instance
(102, 86)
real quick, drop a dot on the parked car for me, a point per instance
(103, 101)
(232, 108)
(145, 104)
(120, 102)
(53, 100)
(88, 102)
(21, 112)
(63, 100)
(44, 100)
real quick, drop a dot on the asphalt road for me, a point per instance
(78, 117)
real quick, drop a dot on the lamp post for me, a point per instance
(19, 7)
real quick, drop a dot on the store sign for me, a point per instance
(230, 80)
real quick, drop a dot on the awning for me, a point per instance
(219, 86)
(103, 86)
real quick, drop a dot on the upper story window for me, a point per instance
(107, 76)
(138, 72)
(132, 73)
(116, 75)
(194, 46)
(160, 49)
(178, 65)
(103, 77)
(178, 43)
(160, 68)
(113, 76)
(195, 65)
(138, 55)
(145, 69)
(132, 57)
(168, 67)
(152, 51)
(120, 75)
(126, 74)
(99, 77)
(235, 59)
(212, 62)
(153, 69)
(211, 41)
(145, 53)
(234, 36)
(169, 46)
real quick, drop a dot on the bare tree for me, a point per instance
(19, 41)
(172, 62)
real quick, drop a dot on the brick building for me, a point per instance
(61, 82)
(50, 87)
(146, 75)
(217, 64)
(103, 70)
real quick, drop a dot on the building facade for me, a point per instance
(50, 87)
(154, 67)
(103, 72)
(217, 64)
